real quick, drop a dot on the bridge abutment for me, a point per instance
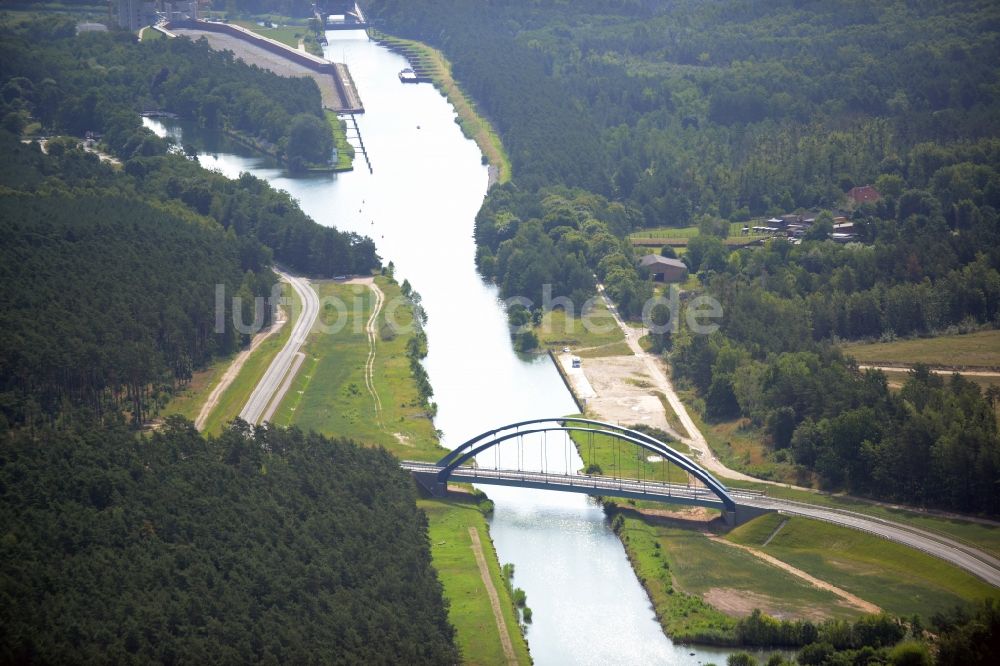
(743, 514)
(429, 482)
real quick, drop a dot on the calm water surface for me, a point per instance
(419, 206)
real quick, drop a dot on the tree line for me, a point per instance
(720, 112)
(116, 308)
(263, 545)
(100, 82)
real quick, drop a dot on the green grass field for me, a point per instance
(188, 403)
(972, 350)
(901, 580)
(680, 567)
(980, 535)
(610, 349)
(596, 328)
(687, 233)
(150, 35)
(742, 450)
(626, 460)
(470, 612)
(286, 34)
(329, 394)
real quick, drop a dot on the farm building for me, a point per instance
(663, 269)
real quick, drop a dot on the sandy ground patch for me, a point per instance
(846, 597)
(624, 392)
(740, 603)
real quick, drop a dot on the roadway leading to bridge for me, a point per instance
(973, 560)
(965, 557)
(282, 365)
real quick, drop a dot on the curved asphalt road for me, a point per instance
(280, 367)
(968, 558)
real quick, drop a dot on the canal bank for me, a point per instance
(419, 206)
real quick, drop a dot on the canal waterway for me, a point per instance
(419, 206)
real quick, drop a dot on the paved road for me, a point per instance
(966, 557)
(973, 560)
(282, 364)
(591, 484)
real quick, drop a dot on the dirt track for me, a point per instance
(372, 329)
(857, 602)
(484, 572)
(234, 369)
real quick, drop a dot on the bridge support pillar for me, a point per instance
(429, 482)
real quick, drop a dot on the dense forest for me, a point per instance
(260, 546)
(629, 114)
(112, 272)
(100, 82)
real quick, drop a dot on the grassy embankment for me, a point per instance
(345, 151)
(600, 337)
(670, 559)
(691, 578)
(426, 59)
(900, 580)
(189, 402)
(470, 611)
(329, 395)
(685, 573)
(288, 31)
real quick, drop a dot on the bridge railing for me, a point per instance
(593, 481)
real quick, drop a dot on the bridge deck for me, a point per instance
(672, 493)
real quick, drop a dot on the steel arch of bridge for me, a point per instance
(487, 440)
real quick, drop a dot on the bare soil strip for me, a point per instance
(857, 602)
(372, 336)
(234, 369)
(484, 572)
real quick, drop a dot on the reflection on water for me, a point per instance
(419, 206)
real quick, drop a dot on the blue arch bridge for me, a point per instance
(525, 456)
